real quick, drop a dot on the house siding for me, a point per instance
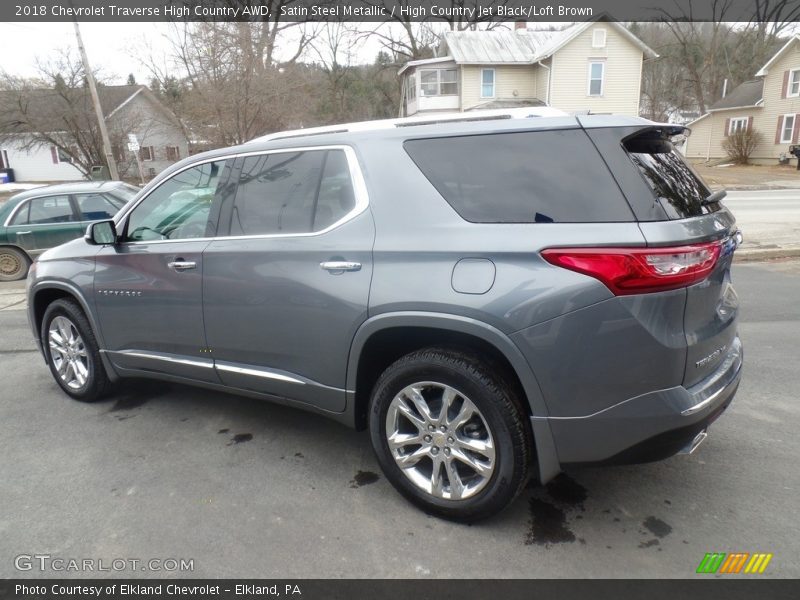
(37, 164)
(153, 126)
(765, 118)
(521, 79)
(622, 78)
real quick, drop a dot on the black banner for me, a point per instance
(398, 10)
(401, 589)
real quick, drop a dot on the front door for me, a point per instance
(148, 287)
(286, 290)
(44, 222)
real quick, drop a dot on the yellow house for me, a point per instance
(595, 66)
(769, 104)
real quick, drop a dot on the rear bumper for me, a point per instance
(651, 426)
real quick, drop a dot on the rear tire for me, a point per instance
(72, 353)
(450, 434)
(14, 264)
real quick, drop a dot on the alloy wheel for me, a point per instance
(68, 352)
(440, 440)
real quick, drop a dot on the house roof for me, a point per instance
(765, 69)
(747, 94)
(505, 104)
(522, 46)
(47, 108)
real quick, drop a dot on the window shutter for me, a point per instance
(54, 154)
(785, 87)
(727, 127)
(778, 132)
(749, 123)
(796, 129)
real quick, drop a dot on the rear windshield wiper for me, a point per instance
(714, 197)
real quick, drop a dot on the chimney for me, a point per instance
(520, 26)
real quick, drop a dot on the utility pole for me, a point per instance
(101, 122)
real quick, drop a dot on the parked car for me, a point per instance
(39, 219)
(493, 299)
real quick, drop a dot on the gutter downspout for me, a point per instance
(710, 133)
(549, 80)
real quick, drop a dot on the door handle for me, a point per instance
(338, 266)
(182, 265)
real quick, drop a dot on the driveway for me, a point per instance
(247, 489)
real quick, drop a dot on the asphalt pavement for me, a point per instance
(248, 489)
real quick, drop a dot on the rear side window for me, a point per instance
(49, 210)
(292, 192)
(680, 190)
(530, 177)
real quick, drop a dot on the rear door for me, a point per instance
(670, 197)
(286, 289)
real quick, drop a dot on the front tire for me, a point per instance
(72, 352)
(14, 264)
(450, 434)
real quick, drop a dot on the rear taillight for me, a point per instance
(639, 270)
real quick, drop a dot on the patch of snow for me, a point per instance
(18, 187)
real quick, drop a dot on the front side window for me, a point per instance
(596, 74)
(794, 83)
(787, 129)
(179, 208)
(292, 193)
(438, 82)
(487, 83)
(94, 207)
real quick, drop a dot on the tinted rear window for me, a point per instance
(529, 177)
(680, 190)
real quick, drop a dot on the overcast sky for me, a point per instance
(114, 48)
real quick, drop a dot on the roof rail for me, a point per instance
(429, 119)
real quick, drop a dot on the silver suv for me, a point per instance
(493, 298)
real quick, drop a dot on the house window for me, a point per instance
(738, 124)
(596, 75)
(487, 83)
(173, 153)
(787, 129)
(146, 153)
(599, 38)
(794, 83)
(411, 88)
(439, 82)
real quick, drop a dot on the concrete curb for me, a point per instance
(759, 254)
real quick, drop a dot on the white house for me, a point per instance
(593, 66)
(127, 109)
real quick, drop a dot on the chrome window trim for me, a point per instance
(356, 178)
(16, 209)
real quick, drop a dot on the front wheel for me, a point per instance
(14, 264)
(72, 353)
(450, 434)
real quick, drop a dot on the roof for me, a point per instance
(73, 187)
(505, 104)
(765, 69)
(48, 107)
(524, 46)
(484, 115)
(747, 94)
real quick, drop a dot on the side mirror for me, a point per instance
(101, 233)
